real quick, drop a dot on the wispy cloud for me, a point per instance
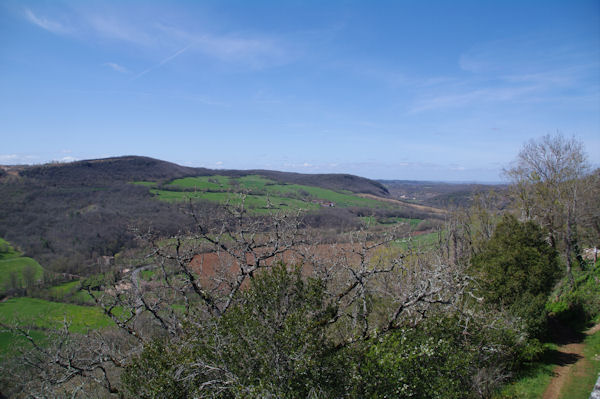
(467, 97)
(515, 71)
(236, 48)
(45, 23)
(113, 28)
(256, 51)
(247, 49)
(116, 67)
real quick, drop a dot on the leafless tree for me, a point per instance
(197, 275)
(65, 364)
(547, 181)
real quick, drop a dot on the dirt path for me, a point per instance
(571, 355)
(418, 207)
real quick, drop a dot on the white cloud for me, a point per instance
(67, 159)
(17, 159)
(45, 23)
(116, 67)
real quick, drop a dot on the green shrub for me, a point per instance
(517, 269)
(425, 362)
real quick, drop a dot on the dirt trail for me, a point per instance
(571, 355)
(418, 207)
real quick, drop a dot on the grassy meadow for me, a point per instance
(13, 268)
(259, 192)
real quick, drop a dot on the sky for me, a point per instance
(411, 90)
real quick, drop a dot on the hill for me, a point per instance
(439, 194)
(134, 168)
(67, 216)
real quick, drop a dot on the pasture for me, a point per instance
(259, 192)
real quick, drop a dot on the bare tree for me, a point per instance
(547, 183)
(198, 276)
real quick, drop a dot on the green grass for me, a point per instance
(16, 266)
(202, 183)
(42, 314)
(371, 220)
(84, 297)
(7, 251)
(419, 241)
(531, 386)
(534, 379)
(256, 202)
(59, 292)
(147, 274)
(282, 196)
(583, 376)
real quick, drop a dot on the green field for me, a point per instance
(420, 241)
(258, 189)
(41, 314)
(375, 221)
(13, 268)
(7, 251)
(60, 292)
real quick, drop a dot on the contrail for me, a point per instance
(163, 62)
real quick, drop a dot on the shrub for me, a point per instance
(517, 269)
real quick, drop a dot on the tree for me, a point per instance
(547, 182)
(517, 270)
(29, 278)
(589, 210)
(271, 344)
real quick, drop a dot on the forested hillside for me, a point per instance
(68, 215)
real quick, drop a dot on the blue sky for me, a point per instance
(426, 90)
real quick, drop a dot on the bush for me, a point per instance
(517, 269)
(429, 361)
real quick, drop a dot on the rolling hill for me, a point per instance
(134, 168)
(67, 216)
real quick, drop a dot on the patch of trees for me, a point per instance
(551, 182)
(106, 172)
(68, 228)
